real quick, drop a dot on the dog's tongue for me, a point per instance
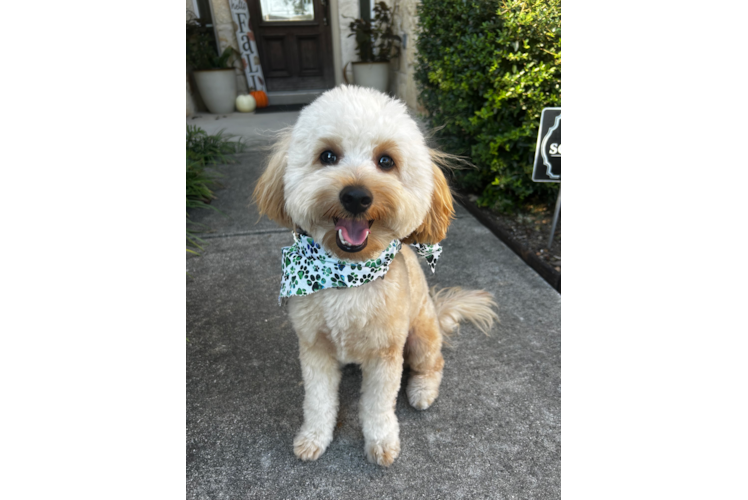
(354, 231)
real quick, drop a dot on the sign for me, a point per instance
(547, 166)
(247, 45)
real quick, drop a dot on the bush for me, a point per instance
(203, 151)
(486, 70)
(375, 40)
(201, 47)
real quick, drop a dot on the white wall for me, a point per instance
(190, 101)
(347, 9)
(402, 83)
(226, 33)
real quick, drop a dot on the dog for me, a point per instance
(353, 176)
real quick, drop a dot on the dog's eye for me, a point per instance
(386, 163)
(328, 158)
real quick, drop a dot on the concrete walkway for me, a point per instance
(255, 129)
(494, 432)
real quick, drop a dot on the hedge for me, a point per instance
(485, 70)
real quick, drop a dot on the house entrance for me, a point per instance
(294, 41)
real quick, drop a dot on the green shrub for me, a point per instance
(201, 47)
(207, 150)
(203, 151)
(376, 34)
(486, 69)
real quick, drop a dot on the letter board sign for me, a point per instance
(247, 45)
(547, 166)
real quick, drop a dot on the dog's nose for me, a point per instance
(356, 199)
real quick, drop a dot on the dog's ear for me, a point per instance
(434, 226)
(268, 193)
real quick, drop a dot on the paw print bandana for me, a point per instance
(308, 268)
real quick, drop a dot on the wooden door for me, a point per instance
(294, 42)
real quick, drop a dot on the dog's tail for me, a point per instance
(455, 304)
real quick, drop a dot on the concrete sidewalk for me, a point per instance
(494, 431)
(255, 129)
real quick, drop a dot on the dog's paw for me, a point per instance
(383, 452)
(422, 391)
(307, 446)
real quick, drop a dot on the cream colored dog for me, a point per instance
(355, 173)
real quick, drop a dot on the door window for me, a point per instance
(287, 10)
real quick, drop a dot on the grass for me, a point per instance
(204, 151)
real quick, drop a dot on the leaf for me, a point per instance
(484, 77)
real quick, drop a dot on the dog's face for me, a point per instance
(355, 173)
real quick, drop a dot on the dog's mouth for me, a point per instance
(352, 235)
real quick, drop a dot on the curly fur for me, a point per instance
(387, 323)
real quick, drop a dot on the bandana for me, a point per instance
(308, 268)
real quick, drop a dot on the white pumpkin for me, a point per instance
(245, 103)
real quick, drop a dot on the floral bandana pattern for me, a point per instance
(308, 268)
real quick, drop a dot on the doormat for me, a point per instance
(280, 107)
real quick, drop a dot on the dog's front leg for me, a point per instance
(321, 373)
(381, 383)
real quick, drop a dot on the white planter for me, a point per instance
(217, 88)
(374, 75)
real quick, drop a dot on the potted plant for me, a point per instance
(376, 44)
(214, 74)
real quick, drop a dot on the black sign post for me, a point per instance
(547, 166)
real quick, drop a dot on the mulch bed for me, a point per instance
(526, 233)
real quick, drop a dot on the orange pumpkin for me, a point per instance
(260, 97)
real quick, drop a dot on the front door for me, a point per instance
(293, 39)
